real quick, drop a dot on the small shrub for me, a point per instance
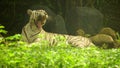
(2, 30)
(17, 54)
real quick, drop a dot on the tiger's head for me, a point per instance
(37, 17)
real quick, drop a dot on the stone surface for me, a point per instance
(108, 31)
(80, 32)
(88, 19)
(60, 25)
(101, 39)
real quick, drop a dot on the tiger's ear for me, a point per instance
(29, 11)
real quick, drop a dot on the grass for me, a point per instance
(17, 54)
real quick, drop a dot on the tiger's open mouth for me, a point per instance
(42, 17)
(42, 23)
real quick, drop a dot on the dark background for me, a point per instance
(13, 12)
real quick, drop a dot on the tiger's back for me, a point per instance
(77, 41)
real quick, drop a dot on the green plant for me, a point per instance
(11, 40)
(17, 54)
(2, 30)
(62, 55)
(118, 35)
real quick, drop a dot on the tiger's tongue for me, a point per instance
(39, 25)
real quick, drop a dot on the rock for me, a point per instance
(80, 32)
(88, 19)
(101, 39)
(108, 31)
(117, 44)
(60, 25)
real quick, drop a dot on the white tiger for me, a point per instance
(31, 31)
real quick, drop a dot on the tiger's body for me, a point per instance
(31, 32)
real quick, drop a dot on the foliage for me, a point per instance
(14, 40)
(118, 35)
(2, 29)
(40, 55)
(16, 54)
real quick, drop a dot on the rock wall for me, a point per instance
(88, 19)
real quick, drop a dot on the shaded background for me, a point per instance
(13, 14)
